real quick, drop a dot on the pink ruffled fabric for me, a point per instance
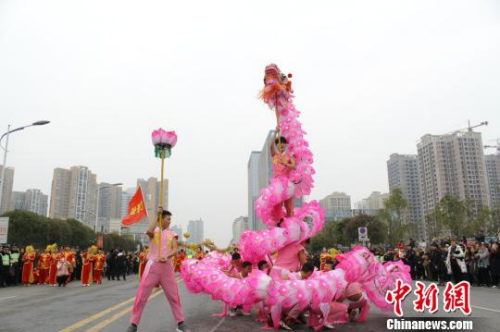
(259, 245)
(276, 295)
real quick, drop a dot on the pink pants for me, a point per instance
(364, 307)
(158, 273)
(337, 310)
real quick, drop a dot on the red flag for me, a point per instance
(136, 209)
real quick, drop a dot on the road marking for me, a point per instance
(96, 316)
(217, 326)
(119, 315)
(9, 297)
(110, 320)
(483, 308)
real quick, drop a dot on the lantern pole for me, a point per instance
(162, 156)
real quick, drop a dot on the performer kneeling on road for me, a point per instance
(159, 270)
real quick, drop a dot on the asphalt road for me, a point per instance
(107, 308)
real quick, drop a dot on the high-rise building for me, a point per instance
(337, 206)
(32, 200)
(260, 172)
(195, 229)
(376, 201)
(493, 174)
(151, 191)
(240, 224)
(126, 197)
(266, 162)
(403, 174)
(5, 203)
(74, 195)
(453, 164)
(253, 188)
(36, 201)
(17, 200)
(110, 205)
(178, 230)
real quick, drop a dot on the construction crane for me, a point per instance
(470, 127)
(497, 146)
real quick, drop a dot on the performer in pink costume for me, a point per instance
(283, 165)
(355, 301)
(281, 295)
(290, 258)
(159, 270)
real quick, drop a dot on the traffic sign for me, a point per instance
(362, 233)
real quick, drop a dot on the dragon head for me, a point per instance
(276, 85)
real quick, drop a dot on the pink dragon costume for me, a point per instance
(274, 293)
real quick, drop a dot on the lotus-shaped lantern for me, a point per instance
(163, 141)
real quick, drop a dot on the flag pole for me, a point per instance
(277, 134)
(161, 196)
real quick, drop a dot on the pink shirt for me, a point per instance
(278, 168)
(295, 276)
(288, 257)
(167, 237)
(62, 268)
(235, 272)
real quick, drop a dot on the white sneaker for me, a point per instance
(232, 312)
(329, 326)
(285, 326)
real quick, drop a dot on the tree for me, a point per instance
(396, 215)
(377, 230)
(454, 213)
(434, 222)
(493, 227)
(481, 221)
(331, 235)
(81, 235)
(27, 228)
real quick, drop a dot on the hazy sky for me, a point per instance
(370, 77)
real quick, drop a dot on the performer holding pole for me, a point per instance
(162, 248)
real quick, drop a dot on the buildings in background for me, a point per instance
(260, 172)
(195, 229)
(337, 206)
(126, 197)
(74, 195)
(376, 201)
(453, 164)
(253, 188)
(178, 230)
(403, 174)
(6, 201)
(493, 175)
(32, 200)
(240, 224)
(151, 191)
(109, 205)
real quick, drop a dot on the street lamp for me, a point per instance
(97, 208)
(38, 123)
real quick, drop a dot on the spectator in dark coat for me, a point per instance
(495, 265)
